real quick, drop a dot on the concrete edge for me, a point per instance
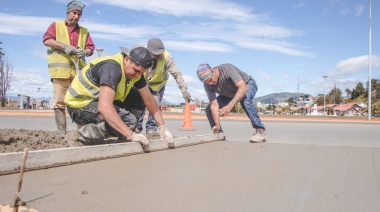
(42, 159)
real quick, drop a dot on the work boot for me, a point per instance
(60, 120)
(259, 137)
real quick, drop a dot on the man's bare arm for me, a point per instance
(109, 113)
(242, 89)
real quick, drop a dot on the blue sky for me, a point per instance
(279, 42)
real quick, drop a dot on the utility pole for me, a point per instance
(370, 63)
(38, 99)
(324, 98)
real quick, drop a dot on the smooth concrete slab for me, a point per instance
(215, 176)
(11, 162)
(304, 166)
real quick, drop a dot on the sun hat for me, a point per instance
(75, 5)
(204, 71)
(156, 46)
(140, 55)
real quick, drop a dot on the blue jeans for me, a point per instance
(151, 124)
(246, 103)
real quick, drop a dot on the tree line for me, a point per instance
(6, 76)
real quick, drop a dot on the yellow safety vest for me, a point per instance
(81, 91)
(59, 63)
(161, 76)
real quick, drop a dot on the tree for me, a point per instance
(320, 100)
(357, 91)
(335, 96)
(375, 91)
(290, 101)
(348, 92)
(237, 108)
(6, 77)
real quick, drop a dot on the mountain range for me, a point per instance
(276, 97)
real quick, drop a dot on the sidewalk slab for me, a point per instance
(40, 159)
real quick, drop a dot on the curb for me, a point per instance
(42, 159)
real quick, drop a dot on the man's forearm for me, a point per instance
(54, 44)
(237, 98)
(113, 119)
(215, 114)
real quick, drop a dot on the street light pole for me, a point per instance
(324, 92)
(370, 63)
(38, 99)
(100, 51)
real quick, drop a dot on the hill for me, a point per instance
(276, 97)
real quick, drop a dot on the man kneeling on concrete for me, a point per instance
(90, 98)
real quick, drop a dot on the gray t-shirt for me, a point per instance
(226, 85)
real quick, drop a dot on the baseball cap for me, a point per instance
(75, 5)
(156, 46)
(140, 55)
(204, 71)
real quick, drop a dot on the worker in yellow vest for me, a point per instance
(69, 45)
(91, 96)
(157, 77)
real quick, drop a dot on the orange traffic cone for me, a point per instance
(187, 123)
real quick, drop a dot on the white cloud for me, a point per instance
(264, 75)
(299, 5)
(27, 82)
(215, 9)
(23, 25)
(354, 65)
(280, 47)
(198, 46)
(325, 12)
(359, 10)
(345, 11)
(195, 35)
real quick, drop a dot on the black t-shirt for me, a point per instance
(108, 72)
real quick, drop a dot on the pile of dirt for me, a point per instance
(16, 140)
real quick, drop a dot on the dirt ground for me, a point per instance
(16, 140)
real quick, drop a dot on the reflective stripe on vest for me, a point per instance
(160, 76)
(59, 63)
(81, 91)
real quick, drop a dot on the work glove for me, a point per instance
(165, 134)
(186, 96)
(81, 53)
(141, 139)
(70, 50)
(215, 129)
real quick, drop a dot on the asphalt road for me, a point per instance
(305, 166)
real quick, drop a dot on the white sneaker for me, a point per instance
(260, 136)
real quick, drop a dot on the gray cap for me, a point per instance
(75, 5)
(156, 46)
(140, 55)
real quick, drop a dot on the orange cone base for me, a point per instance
(187, 129)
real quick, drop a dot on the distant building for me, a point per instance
(305, 101)
(349, 109)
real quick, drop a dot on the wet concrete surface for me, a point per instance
(304, 166)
